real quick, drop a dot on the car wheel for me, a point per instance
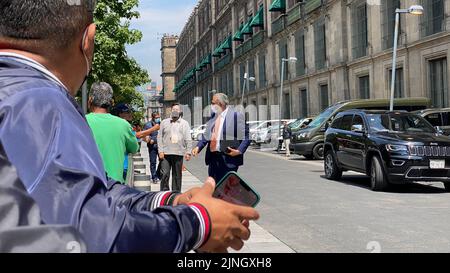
(378, 179)
(447, 186)
(332, 170)
(318, 151)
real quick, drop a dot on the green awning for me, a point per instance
(198, 67)
(206, 61)
(238, 35)
(258, 20)
(227, 44)
(218, 51)
(278, 5)
(247, 29)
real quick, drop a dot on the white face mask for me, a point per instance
(216, 109)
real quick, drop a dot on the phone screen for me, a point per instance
(234, 190)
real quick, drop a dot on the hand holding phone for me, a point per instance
(233, 189)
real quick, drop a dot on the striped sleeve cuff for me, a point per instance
(205, 224)
(163, 198)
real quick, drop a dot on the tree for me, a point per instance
(111, 62)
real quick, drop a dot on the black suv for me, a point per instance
(390, 147)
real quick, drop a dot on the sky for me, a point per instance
(158, 17)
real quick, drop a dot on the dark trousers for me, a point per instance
(174, 162)
(217, 168)
(153, 155)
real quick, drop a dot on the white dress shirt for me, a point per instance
(220, 129)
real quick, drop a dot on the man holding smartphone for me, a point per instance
(226, 138)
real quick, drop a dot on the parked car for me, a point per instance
(390, 147)
(310, 140)
(197, 132)
(439, 118)
(262, 127)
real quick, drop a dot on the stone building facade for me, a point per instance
(343, 47)
(169, 65)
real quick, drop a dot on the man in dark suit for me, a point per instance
(226, 138)
(152, 144)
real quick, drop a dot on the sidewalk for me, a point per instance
(261, 241)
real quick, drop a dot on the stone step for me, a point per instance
(139, 166)
(146, 188)
(138, 159)
(141, 177)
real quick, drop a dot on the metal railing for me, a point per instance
(130, 173)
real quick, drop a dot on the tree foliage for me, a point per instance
(111, 61)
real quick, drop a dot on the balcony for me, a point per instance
(312, 5)
(223, 62)
(279, 24)
(258, 39)
(293, 15)
(204, 74)
(244, 48)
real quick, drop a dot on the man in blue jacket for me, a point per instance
(226, 138)
(152, 145)
(46, 52)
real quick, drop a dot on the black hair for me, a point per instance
(54, 23)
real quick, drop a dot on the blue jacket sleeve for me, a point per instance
(54, 152)
(243, 133)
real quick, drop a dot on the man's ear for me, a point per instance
(89, 41)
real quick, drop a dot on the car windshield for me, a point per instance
(324, 116)
(401, 123)
(296, 124)
(253, 125)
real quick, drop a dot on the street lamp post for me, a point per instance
(415, 10)
(283, 63)
(247, 81)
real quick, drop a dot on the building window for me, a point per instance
(359, 32)
(438, 82)
(287, 106)
(364, 87)
(319, 44)
(304, 103)
(324, 103)
(388, 8)
(262, 71)
(283, 49)
(230, 83)
(300, 53)
(251, 73)
(399, 90)
(433, 17)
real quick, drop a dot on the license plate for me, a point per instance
(437, 164)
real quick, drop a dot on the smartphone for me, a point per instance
(232, 188)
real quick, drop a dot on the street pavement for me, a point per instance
(261, 241)
(311, 214)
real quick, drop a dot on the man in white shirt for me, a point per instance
(174, 143)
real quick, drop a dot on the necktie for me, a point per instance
(215, 134)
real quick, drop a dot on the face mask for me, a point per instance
(158, 120)
(215, 109)
(175, 115)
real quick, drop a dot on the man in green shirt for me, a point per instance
(113, 135)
